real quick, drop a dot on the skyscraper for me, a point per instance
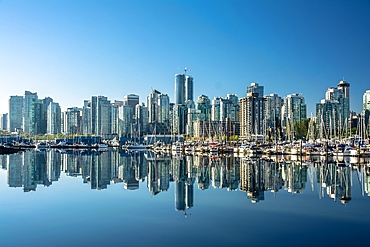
(142, 117)
(366, 100)
(255, 88)
(189, 89)
(252, 114)
(72, 120)
(4, 121)
(344, 86)
(179, 89)
(273, 104)
(294, 109)
(131, 100)
(54, 119)
(152, 103)
(204, 105)
(29, 99)
(15, 113)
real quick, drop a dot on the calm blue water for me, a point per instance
(66, 198)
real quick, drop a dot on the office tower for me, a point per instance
(252, 114)
(86, 118)
(344, 86)
(15, 113)
(54, 119)
(164, 109)
(38, 116)
(255, 88)
(189, 89)
(273, 106)
(101, 114)
(124, 121)
(215, 109)
(29, 99)
(229, 109)
(141, 113)
(115, 116)
(338, 96)
(294, 109)
(159, 112)
(93, 114)
(366, 110)
(4, 121)
(179, 118)
(104, 127)
(233, 110)
(131, 100)
(204, 105)
(366, 100)
(35, 119)
(179, 89)
(72, 120)
(152, 103)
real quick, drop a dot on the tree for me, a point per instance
(301, 128)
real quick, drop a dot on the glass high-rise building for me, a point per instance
(15, 113)
(4, 121)
(131, 100)
(366, 100)
(29, 99)
(255, 88)
(294, 109)
(179, 89)
(54, 119)
(252, 114)
(189, 89)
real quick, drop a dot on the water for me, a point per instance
(74, 198)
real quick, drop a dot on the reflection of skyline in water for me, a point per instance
(32, 168)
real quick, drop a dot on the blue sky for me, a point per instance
(71, 50)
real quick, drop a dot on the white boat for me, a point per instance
(136, 146)
(42, 145)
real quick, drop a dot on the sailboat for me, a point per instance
(135, 146)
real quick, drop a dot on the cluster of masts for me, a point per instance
(358, 148)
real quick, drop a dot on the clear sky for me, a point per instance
(71, 50)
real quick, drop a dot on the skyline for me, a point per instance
(70, 50)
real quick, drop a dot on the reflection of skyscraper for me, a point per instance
(295, 178)
(158, 175)
(184, 195)
(184, 191)
(367, 180)
(203, 171)
(341, 186)
(100, 171)
(15, 178)
(28, 172)
(252, 180)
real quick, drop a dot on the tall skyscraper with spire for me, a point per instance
(184, 88)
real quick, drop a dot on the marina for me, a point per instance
(237, 200)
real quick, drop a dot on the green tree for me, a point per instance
(301, 128)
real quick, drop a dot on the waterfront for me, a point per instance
(89, 198)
